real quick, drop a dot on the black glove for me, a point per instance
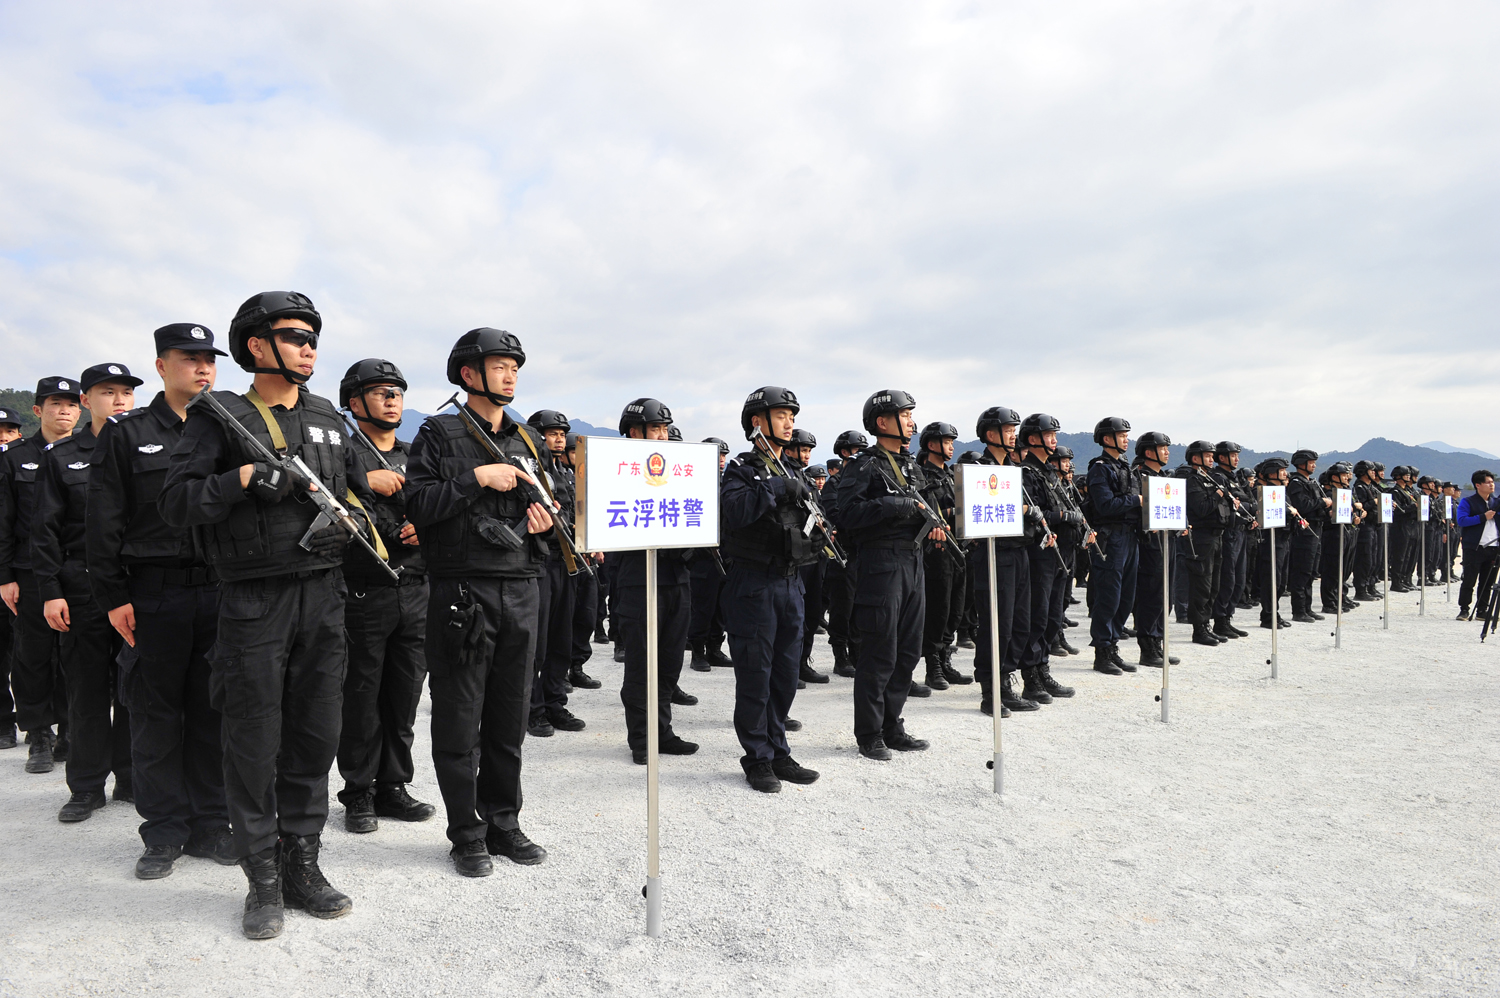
(329, 541)
(792, 490)
(1035, 516)
(269, 484)
(1073, 519)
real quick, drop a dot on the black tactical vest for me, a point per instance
(774, 543)
(260, 539)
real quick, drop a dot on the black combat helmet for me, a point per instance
(643, 412)
(886, 402)
(762, 401)
(1150, 440)
(254, 319)
(363, 374)
(471, 349)
(1109, 426)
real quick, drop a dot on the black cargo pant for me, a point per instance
(838, 585)
(585, 616)
(1112, 589)
(1367, 567)
(946, 580)
(763, 614)
(1231, 573)
(554, 637)
(673, 610)
(1044, 566)
(7, 702)
(1201, 558)
(98, 723)
(35, 676)
(176, 734)
(387, 629)
(812, 602)
(1013, 600)
(1263, 572)
(481, 698)
(890, 596)
(706, 620)
(1331, 586)
(1150, 615)
(1411, 531)
(1302, 565)
(278, 678)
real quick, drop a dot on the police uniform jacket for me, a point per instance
(57, 529)
(873, 512)
(124, 526)
(20, 465)
(243, 536)
(388, 513)
(1114, 494)
(1208, 505)
(1306, 496)
(760, 524)
(454, 515)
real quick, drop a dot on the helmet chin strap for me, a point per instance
(280, 368)
(484, 381)
(384, 424)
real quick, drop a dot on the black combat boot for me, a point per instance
(619, 655)
(1031, 687)
(392, 801)
(513, 844)
(954, 677)
(1150, 656)
(1008, 698)
(582, 680)
(1202, 636)
(215, 843)
(699, 661)
(682, 698)
(264, 912)
(600, 638)
(1120, 663)
(918, 690)
(302, 882)
(808, 674)
(1161, 652)
(359, 810)
(1103, 663)
(472, 859)
(8, 736)
(1052, 686)
(842, 665)
(39, 750)
(716, 656)
(935, 677)
(156, 862)
(1223, 631)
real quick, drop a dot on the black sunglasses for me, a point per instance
(297, 338)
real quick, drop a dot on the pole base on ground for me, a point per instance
(1163, 699)
(653, 907)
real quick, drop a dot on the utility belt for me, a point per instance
(158, 576)
(776, 569)
(891, 545)
(366, 583)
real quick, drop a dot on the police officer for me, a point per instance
(838, 581)
(1153, 452)
(1272, 471)
(998, 428)
(98, 723)
(1071, 542)
(1115, 499)
(1367, 547)
(35, 678)
(1316, 507)
(557, 591)
(1210, 509)
(1408, 503)
(797, 456)
(589, 599)
(763, 506)
(278, 664)
(386, 619)
(880, 509)
(1333, 588)
(1038, 441)
(163, 599)
(10, 432)
(649, 419)
(945, 575)
(1234, 544)
(706, 572)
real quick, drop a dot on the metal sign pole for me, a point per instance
(1166, 602)
(1422, 571)
(1385, 544)
(995, 664)
(653, 760)
(1275, 604)
(1338, 621)
(1448, 554)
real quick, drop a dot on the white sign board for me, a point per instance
(1447, 507)
(1343, 505)
(1386, 512)
(1426, 511)
(988, 501)
(1272, 506)
(1166, 504)
(637, 494)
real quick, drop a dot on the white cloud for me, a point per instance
(1265, 221)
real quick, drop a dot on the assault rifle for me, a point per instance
(331, 512)
(351, 421)
(816, 518)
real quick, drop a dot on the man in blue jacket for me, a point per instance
(1475, 513)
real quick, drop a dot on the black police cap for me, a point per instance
(117, 373)
(9, 416)
(190, 336)
(55, 385)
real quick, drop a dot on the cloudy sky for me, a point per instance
(1273, 221)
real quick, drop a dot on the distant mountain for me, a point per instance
(1450, 449)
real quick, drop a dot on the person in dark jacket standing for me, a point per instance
(706, 628)
(10, 432)
(1115, 498)
(1234, 544)
(99, 724)
(1367, 546)
(1153, 451)
(35, 682)
(1481, 545)
(386, 619)
(1305, 494)
(838, 580)
(879, 510)
(1038, 442)
(588, 603)
(1210, 509)
(163, 600)
(481, 541)
(762, 511)
(649, 419)
(946, 575)
(796, 456)
(278, 665)
(1334, 589)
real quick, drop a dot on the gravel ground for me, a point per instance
(1333, 831)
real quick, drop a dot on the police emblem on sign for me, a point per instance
(656, 470)
(994, 485)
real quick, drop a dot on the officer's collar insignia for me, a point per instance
(30, 466)
(150, 448)
(78, 465)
